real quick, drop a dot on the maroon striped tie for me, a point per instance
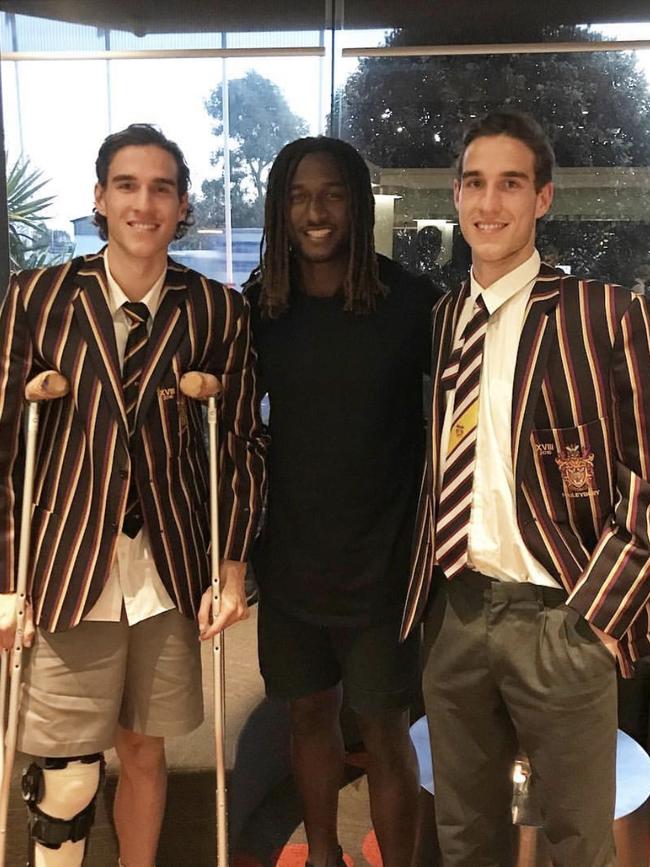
(134, 358)
(463, 372)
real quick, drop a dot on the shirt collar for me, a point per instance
(505, 287)
(116, 297)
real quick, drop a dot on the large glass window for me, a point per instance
(395, 80)
(57, 110)
(405, 112)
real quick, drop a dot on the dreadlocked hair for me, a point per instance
(361, 285)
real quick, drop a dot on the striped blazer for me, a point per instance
(58, 318)
(580, 451)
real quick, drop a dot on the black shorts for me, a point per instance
(298, 659)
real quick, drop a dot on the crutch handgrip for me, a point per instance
(200, 386)
(46, 386)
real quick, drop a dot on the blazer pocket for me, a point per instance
(573, 466)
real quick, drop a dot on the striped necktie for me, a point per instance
(463, 372)
(134, 357)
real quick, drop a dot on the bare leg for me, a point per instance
(140, 797)
(393, 783)
(318, 757)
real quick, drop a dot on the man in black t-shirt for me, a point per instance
(343, 338)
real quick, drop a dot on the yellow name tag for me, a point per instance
(462, 426)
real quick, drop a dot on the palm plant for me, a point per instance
(29, 238)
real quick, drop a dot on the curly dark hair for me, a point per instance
(361, 285)
(519, 126)
(141, 134)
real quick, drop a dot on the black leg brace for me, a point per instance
(51, 831)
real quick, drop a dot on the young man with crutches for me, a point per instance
(120, 562)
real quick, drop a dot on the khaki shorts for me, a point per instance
(79, 684)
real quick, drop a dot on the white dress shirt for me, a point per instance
(495, 546)
(134, 582)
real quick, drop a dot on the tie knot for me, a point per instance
(137, 311)
(478, 319)
(479, 306)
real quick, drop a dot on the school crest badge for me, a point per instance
(576, 467)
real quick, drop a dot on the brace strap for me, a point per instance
(48, 830)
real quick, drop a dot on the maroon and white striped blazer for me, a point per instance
(580, 447)
(58, 318)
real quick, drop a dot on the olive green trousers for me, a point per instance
(508, 668)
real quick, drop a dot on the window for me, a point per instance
(394, 80)
(59, 108)
(405, 109)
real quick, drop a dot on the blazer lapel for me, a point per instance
(445, 321)
(537, 338)
(169, 325)
(96, 325)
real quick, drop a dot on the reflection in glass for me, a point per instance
(406, 115)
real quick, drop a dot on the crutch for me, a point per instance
(205, 386)
(45, 386)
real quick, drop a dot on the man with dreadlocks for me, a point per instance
(343, 337)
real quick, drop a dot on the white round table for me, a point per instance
(632, 769)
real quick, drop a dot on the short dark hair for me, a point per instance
(519, 126)
(361, 286)
(140, 135)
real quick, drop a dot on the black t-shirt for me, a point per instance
(346, 451)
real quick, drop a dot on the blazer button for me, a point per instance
(124, 474)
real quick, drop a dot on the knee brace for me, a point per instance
(60, 795)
